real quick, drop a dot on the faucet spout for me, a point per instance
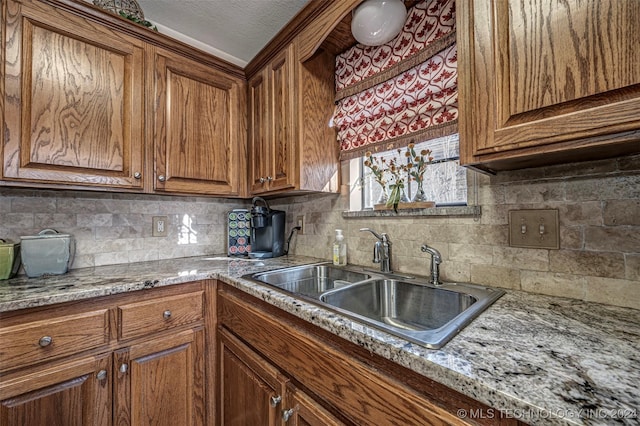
(436, 260)
(381, 250)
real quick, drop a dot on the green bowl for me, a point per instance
(9, 259)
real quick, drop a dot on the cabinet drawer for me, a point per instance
(137, 319)
(36, 341)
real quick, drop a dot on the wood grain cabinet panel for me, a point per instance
(162, 313)
(302, 410)
(197, 125)
(271, 114)
(291, 146)
(251, 390)
(73, 100)
(74, 393)
(37, 341)
(544, 82)
(162, 382)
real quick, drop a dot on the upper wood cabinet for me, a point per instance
(272, 128)
(73, 99)
(94, 101)
(198, 132)
(546, 82)
(291, 146)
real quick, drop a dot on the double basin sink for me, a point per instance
(403, 306)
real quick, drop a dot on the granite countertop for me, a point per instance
(544, 360)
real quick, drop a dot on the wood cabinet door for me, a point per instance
(272, 108)
(302, 410)
(282, 109)
(541, 78)
(198, 130)
(73, 100)
(161, 382)
(251, 390)
(260, 148)
(72, 393)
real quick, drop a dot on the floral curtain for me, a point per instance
(401, 92)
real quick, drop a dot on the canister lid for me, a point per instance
(45, 233)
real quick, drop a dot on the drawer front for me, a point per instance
(138, 319)
(37, 341)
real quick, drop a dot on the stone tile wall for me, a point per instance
(116, 228)
(599, 258)
(599, 204)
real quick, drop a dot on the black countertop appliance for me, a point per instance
(267, 230)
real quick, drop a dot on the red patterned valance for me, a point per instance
(420, 99)
(401, 92)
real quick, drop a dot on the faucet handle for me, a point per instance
(378, 236)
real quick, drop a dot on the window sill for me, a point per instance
(448, 211)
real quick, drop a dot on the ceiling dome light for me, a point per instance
(376, 22)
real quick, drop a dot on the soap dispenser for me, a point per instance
(339, 249)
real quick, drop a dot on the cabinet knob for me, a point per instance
(124, 368)
(102, 374)
(137, 175)
(275, 400)
(161, 178)
(286, 414)
(166, 314)
(45, 341)
(262, 180)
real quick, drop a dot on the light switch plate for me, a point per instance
(160, 226)
(534, 228)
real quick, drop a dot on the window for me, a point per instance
(445, 181)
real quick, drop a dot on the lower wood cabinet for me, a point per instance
(254, 392)
(327, 380)
(69, 393)
(156, 378)
(161, 382)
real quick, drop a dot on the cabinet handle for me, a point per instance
(124, 368)
(137, 175)
(45, 341)
(161, 178)
(286, 414)
(269, 178)
(275, 400)
(166, 314)
(262, 180)
(102, 374)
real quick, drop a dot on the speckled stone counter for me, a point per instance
(544, 360)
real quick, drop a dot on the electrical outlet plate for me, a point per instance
(534, 228)
(160, 226)
(300, 223)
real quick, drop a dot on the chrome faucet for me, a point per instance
(436, 260)
(381, 250)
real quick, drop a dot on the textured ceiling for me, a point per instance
(234, 30)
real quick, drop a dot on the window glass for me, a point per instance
(445, 181)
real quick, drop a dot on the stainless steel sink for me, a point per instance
(310, 280)
(419, 312)
(408, 308)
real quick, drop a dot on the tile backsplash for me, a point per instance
(598, 259)
(116, 228)
(599, 255)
